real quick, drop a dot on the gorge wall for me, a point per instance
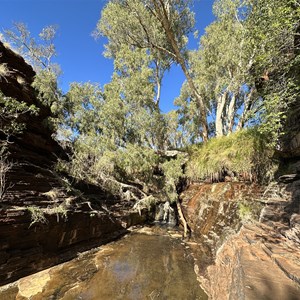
(248, 237)
(44, 218)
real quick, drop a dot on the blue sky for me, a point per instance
(79, 54)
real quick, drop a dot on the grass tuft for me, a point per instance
(242, 153)
(4, 71)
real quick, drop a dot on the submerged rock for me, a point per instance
(138, 266)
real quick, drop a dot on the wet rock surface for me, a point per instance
(139, 266)
(26, 248)
(213, 210)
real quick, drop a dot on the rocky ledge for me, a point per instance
(27, 247)
(256, 263)
(246, 239)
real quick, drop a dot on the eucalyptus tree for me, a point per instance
(39, 53)
(133, 87)
(188, 114)
(160, 27)
(221, 66)
(250, 43)
(273, 26)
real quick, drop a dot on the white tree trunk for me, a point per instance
(247, 107)
(161, 9)
(230, 114)
(219, 113)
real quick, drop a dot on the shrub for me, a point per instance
(4, 71)
(60, 210)
(172, 170)
(37, 215)
(245, 212)
(5, 167)
(136, 162)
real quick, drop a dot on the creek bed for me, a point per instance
(138, 266)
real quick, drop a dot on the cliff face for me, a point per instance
(44, 218)
(248, 239)
(34, 152)
(216, 211)
(36, 140)
(248, 236)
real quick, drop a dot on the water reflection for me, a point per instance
(137, 267)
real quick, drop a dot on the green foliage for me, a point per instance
(144, 21)
(130, 164)
(131, 94)
(145, 203)
(45, 83)
(271, 28)
(158, 31)
(10, 113)
(37, 215)
(5, 167)
(59, 211)
(189, 118)
(84, 102)
(221, 70)
(249, 210)
(116, 131)
(4, 71)
(176, 135)
(243, 152)
(245, 212)
(136, 163)
(173, 171)
(243, 67)
(38, 53)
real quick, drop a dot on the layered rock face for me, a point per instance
(215, 211)
(249, 239)
(34, 152)
(27, 248)
(36, 142)
(45, 219)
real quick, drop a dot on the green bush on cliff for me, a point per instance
(10, 112)
(243, 153)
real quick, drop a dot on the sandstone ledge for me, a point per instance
(257, 263)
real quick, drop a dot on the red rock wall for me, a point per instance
(254, 259)
(210, 208)
(26, 248)
(36, 141)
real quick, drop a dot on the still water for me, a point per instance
(138, 266)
